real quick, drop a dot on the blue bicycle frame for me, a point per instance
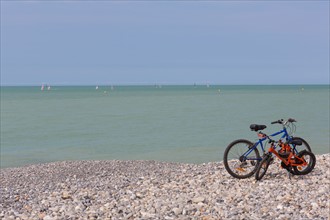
(261, 140)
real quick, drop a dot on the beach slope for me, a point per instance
(158, 190)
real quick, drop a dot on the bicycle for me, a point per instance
(296, 164)
(241, 157)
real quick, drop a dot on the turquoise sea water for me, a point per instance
(192, 124)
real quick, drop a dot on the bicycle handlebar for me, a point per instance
(277, 122)
(291, 120)
(281, 121)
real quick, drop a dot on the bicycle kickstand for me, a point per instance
(289, 174)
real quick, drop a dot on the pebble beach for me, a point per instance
(158, 190)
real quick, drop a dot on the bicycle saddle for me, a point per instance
(255, 127)
(295, 142)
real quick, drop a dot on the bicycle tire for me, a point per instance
(241, 169)
(262, 167)
(309, 167)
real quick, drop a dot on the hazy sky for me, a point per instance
(166, 42)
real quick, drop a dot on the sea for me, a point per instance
(171, 123)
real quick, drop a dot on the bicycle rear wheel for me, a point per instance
(310, 158)
(238, 164)
(263, 167)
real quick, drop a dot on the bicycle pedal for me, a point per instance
(240, 169)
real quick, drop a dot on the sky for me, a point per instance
(164, 42)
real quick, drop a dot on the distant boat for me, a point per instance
(42, 87)
(48, 87)
(97, 87)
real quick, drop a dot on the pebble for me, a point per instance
(47, 217)
(177, 211)
(65, 195)
(198, 199)
(158, 190)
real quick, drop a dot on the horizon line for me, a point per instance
(167, 84)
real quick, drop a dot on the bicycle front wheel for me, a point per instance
(240, 159)
(262, 167)
(309, 158)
